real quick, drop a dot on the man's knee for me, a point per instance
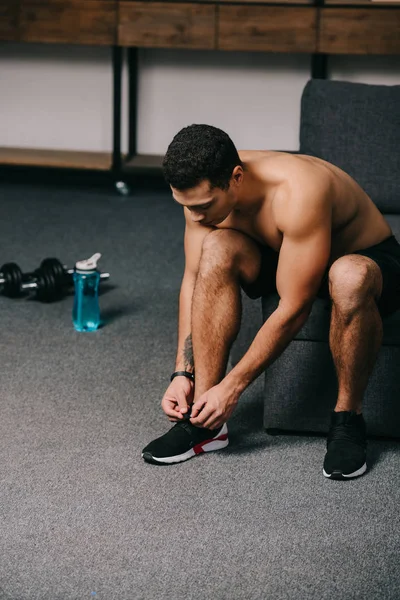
(353, 279)
(222, 249)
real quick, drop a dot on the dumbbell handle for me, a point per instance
(67, 272)
(32, 285)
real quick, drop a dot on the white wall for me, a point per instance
(254, 97)
(54, 96)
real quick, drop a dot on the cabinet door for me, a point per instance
(9, 20)
(268, 28)
(91, 22)
(359, 31)
(166, 25)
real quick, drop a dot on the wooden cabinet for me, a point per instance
(283, 2)
(167, 25)
(295, 26)
(9, 20)
(298, 26)
(369, 3)
(267, 28)
(359, 31)
(91, 22)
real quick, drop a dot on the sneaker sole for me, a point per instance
(340, 475)
(221, 441)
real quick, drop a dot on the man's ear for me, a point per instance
(238, 173)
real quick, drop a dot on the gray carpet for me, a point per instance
(82, 515)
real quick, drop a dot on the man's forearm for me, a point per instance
(184, 357)
(271, 340)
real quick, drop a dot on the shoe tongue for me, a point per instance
(186, 425)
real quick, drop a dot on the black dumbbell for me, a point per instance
(11, 278)
(51, 281)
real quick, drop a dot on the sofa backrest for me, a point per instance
(356, 126)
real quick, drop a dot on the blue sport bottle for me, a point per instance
(86, 310)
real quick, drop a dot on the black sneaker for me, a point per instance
(184, 441)
(346, 446)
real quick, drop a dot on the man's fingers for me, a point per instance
(182, 403)
(197, 406)
(171, 409)
(205, 414)
(212, 424)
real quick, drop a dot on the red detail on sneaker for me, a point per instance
(198, 449)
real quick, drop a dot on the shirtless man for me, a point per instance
(265, 221)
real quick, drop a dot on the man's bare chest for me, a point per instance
(259, 227)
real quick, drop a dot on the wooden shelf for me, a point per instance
(98, 161)
(70, 159)
(143, 162)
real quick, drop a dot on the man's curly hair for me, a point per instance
(198, 153)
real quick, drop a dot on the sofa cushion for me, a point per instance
(356, 126)
(394, 222)
(301, 389)
(317, 325)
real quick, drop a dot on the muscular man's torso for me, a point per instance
(356, 221)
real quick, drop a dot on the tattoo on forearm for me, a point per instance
(188, 352)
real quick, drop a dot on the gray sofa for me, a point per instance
(356, 127)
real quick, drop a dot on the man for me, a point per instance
(264, 221)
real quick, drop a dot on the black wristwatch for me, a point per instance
(185, 373)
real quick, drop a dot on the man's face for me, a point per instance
(207, 206)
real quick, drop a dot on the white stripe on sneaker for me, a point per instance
(216, 443)
(355, 474)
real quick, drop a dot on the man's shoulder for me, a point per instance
(299, 197)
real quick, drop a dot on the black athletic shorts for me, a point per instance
(386, 254)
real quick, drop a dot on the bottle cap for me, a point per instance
(90, 264)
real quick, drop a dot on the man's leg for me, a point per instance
(355, 284)
(227, 257)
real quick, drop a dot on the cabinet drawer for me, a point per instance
(91, 22)
(8, 20)
(283, 2)
(359, 31)
(268, 28)
(166, 25)
(361, 3)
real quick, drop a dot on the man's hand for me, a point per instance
(178, 397)
(216, 406)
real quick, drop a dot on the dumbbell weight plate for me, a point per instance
(12, 275)
(48, 287)
(54, 265)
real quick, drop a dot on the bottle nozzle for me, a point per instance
(90, 264)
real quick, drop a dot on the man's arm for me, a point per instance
(193, 243)
(184, 355)
(306, 225)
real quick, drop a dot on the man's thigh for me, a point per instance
(265, 283)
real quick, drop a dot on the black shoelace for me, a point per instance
(185, 423)
(346, 432)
